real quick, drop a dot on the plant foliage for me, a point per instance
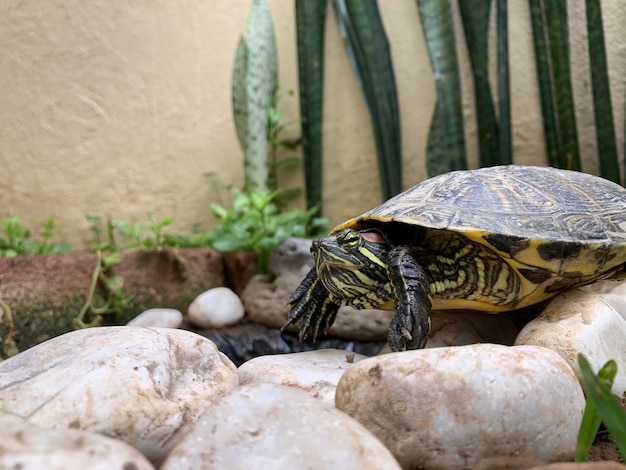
(367, 46)
(255, 223)
(602, 407)
(445, 150)
(17, 240)
(254, 85)
(310, 21)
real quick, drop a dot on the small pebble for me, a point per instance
(158, 318)
(216, 308)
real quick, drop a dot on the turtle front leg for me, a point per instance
(311, 306)
(410, 284)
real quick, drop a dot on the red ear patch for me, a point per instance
(373, 236)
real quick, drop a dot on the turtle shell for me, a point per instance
(524, 201)
(570, 223)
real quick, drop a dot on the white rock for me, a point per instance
(611, 290)
(604, 286)
(268, 426)
(578, 322)
(616, 301)
(216, 308)
(142, 385)
(27, 447)
(158, 317)
(314, 372)
(451, 407)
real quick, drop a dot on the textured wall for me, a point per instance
(118, 108)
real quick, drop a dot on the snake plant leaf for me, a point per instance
(603, 111)
(437, 162)
(475, 19)
(438, 26)
(611, 411)
(261, 79)
(504, 86)
(545, 81)
(556, 20)
(367, 46)
(239, 102)
(310, 21)
(552, 55)
(591, 419)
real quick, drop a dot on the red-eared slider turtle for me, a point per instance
(493, 239)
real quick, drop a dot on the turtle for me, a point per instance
(493, 239)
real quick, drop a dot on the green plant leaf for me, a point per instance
(591, 419)
(475, 19)
(255, 223)
(438, 27)
(261, 81)
(366, 42)
(288, 162)
(112, 283)
(504, 87)
(603, 110)
(557, 102)
(310, 21)
(610, 410)
(542, 59)
(556, 20)
(239, 97)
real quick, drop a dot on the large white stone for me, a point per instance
(142, 385)
(158, 317)
(25, 446)
(216, 308)
(450, 407)
(579, 322)
(314, 372)
(611, 290)
(267, 426)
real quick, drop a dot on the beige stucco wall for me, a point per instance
(118, 108)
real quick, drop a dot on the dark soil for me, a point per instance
(604, 448)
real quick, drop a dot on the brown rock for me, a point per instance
(239, 268)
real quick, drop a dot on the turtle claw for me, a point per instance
(406, 334)
(311, 307)
(400, 332)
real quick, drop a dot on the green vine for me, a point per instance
(113, 300)
(9, 346)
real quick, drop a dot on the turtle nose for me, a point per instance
(315, 245)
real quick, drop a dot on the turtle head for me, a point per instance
(352, 266)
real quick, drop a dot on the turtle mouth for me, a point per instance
(323, 265)
(334, 266)
(335, 259)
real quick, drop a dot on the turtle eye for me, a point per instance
(350, 239)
